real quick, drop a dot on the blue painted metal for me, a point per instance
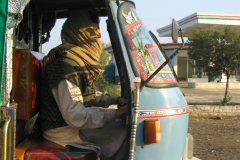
(173, 128)
(173, 137)
(121, 41)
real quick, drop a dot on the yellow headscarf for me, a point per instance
(80, 43)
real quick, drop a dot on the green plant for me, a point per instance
(217, 52)
(211, 73)
(104, 85)
(104, 56)
(226, 99)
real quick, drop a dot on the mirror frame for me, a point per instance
(175, 30)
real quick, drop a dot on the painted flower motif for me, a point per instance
(179, 110)
(128, 18)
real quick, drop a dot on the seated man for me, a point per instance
(71, 113)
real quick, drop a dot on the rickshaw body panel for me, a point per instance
(173, 128)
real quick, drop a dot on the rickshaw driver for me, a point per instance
(71, 113)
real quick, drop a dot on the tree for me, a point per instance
(222, 51)
(104, 56)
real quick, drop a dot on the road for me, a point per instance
(216, 139)
(209, 95)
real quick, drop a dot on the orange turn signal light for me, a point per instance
(152, 131)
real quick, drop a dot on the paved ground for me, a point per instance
(208, 95)
(215, 139)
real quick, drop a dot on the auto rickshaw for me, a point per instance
(158, 114)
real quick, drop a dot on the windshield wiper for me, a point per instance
(165, 63)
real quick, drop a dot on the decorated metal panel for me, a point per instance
(144, 52)
(3, 26)
(162, 112)
(15, 10)
(167, 104)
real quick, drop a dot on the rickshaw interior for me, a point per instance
(44, 13)
(36, 22)
(38, 18)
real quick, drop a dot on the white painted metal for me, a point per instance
(204, 21)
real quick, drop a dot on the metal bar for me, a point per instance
(5, 131)
(11, 112)
(7, 77)
(137, 82)
(40, 33)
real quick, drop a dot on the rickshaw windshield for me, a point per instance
(144, 54)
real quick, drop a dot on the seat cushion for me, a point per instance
(43, 149)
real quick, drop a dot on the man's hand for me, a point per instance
(121, 102)
(121, 111)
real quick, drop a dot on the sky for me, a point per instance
(157, 14)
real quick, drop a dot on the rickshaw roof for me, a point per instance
(63, 6)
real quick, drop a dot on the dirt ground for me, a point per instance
(215, 139)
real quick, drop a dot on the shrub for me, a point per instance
(105, 85)
(227, 99)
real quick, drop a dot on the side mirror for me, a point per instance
(175, 29)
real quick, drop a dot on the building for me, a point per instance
(198, 21)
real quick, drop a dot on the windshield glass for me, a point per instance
(144, 52)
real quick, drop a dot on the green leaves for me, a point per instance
(222, 50)
(104, 56)
(104, 85)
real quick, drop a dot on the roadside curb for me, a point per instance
(214, 109)
(212, 103)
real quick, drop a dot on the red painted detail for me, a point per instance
(162, 115)
(163, 112)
